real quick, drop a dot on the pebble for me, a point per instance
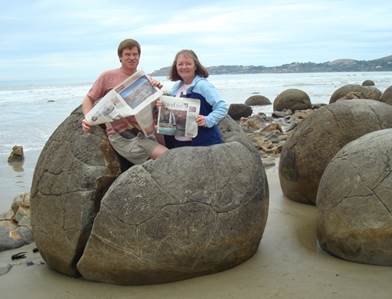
(4, 269)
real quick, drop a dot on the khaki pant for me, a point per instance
(136, 150)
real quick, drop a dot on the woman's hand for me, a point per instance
(201, 120)
(85, 126)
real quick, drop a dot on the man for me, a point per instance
(124, 134)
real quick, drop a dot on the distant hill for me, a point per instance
(339, 65)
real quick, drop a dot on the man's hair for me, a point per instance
(200, 69)
(128, 44)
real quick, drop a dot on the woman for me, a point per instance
(192, 83)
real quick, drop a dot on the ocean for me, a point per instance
(32, 110)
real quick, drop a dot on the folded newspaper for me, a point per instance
(132, 97)
(177, 116)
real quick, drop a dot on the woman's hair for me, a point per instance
(128, 44)
(200, 69)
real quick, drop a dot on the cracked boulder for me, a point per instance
(194, 211)
(355, 91)
(319, 137)
(355, 201)
(72, 173)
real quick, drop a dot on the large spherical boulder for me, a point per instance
(355, 91)
(193, 211)
(257, 100)
(196, 210)
(236, 111)
(293, 99)
(354, 201)
(319, 137)
(72, 174)
(387, 96)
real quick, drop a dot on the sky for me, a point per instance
(76, 39)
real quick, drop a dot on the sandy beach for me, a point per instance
(288, 264)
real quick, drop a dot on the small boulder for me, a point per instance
(293, 99)
(368, 83)
(17, 154)
(257, 100)
(354, 201)
(355, 91)
(236, 111)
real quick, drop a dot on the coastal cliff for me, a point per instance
(340, 65)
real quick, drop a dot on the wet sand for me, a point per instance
(288, 264)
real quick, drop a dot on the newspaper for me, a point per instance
(177, 116)
(131, 97)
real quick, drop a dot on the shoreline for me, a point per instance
(288, 264)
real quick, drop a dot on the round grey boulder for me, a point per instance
(293, 99)
(354, 201)
(236, 111)
(387, 96)
(193, 211)
(257, 100)
(368, 83)
(355, 91)
(72, 173)
(319, 137)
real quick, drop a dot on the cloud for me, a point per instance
(73, 36)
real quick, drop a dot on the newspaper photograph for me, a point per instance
(177, 116)
(126, 99)
(145, 120)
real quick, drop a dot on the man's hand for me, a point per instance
(85, 126)
(201, 120)
(156, 83)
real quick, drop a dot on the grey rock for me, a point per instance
(318, 105)
(319, 137)
(236, 111)
(6, 242)
(257, 100)
(17, 154)
(232, 132)
(368, 83)
(355, 91)
(283, 113)
(194, 211)
(26, 234)
(387, 96)
(72, 173)
(4, 269)
(293, 99)
(355, 201)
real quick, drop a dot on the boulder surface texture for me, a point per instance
(73, 172)
(293, 99)
(354, 201)
(194, 211)
(319, 137)
(387, 96)
(355, 91)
